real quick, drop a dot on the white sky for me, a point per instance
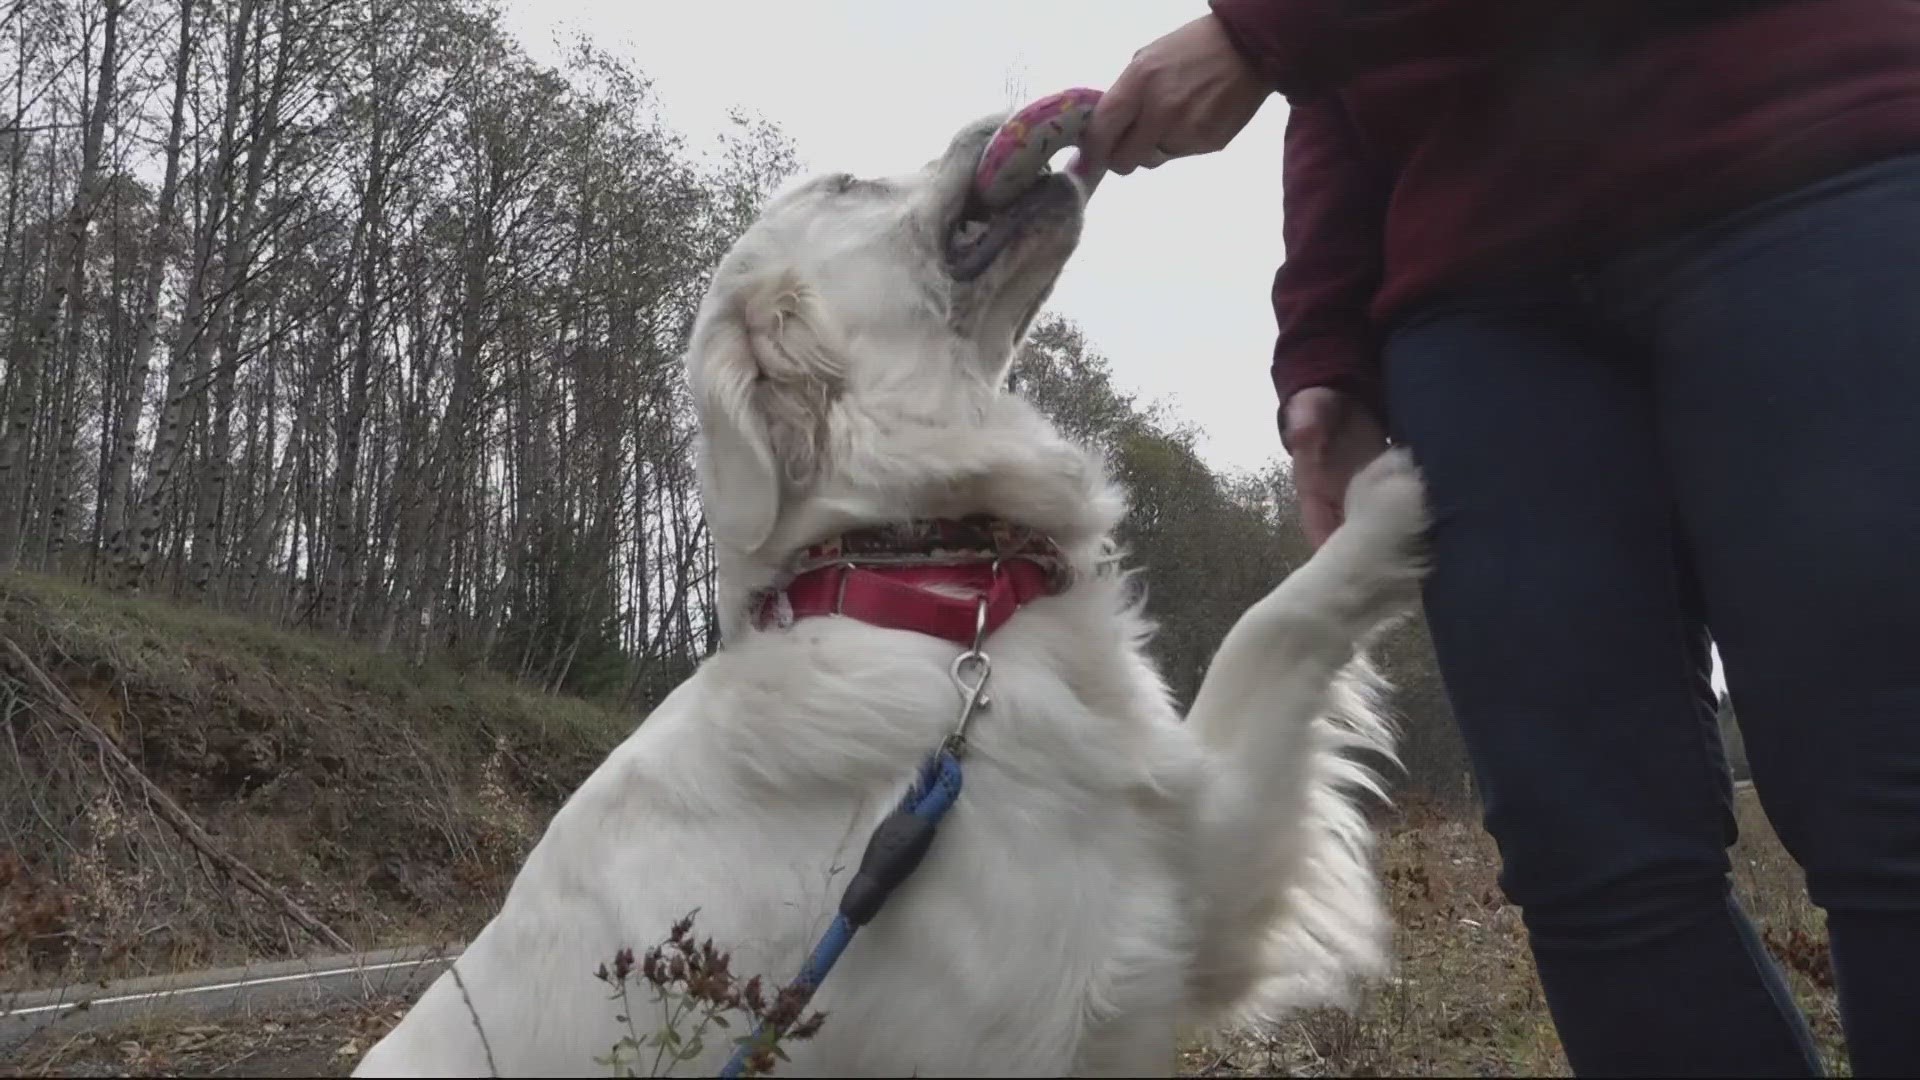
(1172, 277)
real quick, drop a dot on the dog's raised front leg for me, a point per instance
(1293, 912)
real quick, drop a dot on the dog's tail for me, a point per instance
(1290, 709)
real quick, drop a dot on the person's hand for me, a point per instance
(1188, 93)
(1332, 436)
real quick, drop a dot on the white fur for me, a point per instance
(1111, 875)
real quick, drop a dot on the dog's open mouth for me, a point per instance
(979, 235)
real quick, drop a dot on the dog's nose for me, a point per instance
(975, 136)
(963, 153)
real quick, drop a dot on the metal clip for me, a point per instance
(980, 619)
(973, 696)
(840, 596)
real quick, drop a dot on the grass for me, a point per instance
(1466, 1001)
(310, 1042)
(393, 801)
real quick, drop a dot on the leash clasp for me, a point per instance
(973, 691)
(840, 591)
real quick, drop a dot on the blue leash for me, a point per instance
(892, 855)
(895, 849)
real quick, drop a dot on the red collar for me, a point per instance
(930, 577)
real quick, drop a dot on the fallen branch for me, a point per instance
(169, 810)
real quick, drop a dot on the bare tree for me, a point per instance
(124, 424)
(65, 285)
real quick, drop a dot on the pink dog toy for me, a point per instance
(1018, 153)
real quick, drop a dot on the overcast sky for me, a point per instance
(1172, 278)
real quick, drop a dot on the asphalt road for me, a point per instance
(322, 982)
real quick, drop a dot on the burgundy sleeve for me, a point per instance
(1334, 204)
(1311, 45)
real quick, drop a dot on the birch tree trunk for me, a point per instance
(27, 359)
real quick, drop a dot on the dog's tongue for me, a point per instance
(1018, 153)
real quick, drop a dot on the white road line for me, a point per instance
(327, 980)
(237, 984)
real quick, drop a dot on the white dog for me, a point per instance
(1110, 875)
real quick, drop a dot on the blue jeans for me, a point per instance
(1719, 432)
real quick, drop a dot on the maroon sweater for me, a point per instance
(1436, 143)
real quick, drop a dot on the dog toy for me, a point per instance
(1017, 155)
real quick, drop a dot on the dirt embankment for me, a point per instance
(389, 802)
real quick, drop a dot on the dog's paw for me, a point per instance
(1384, 536)
(1388, 501)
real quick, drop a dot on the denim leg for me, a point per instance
(1787, 346)
(1570, 636)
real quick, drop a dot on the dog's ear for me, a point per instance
(763, 377)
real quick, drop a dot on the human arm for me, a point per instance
(1326, 363)
(1193, 90)
(1309, 46)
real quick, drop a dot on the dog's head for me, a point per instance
(855, 320)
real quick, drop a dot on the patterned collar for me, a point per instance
(883, 574)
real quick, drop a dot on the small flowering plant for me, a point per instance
(695, 991)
